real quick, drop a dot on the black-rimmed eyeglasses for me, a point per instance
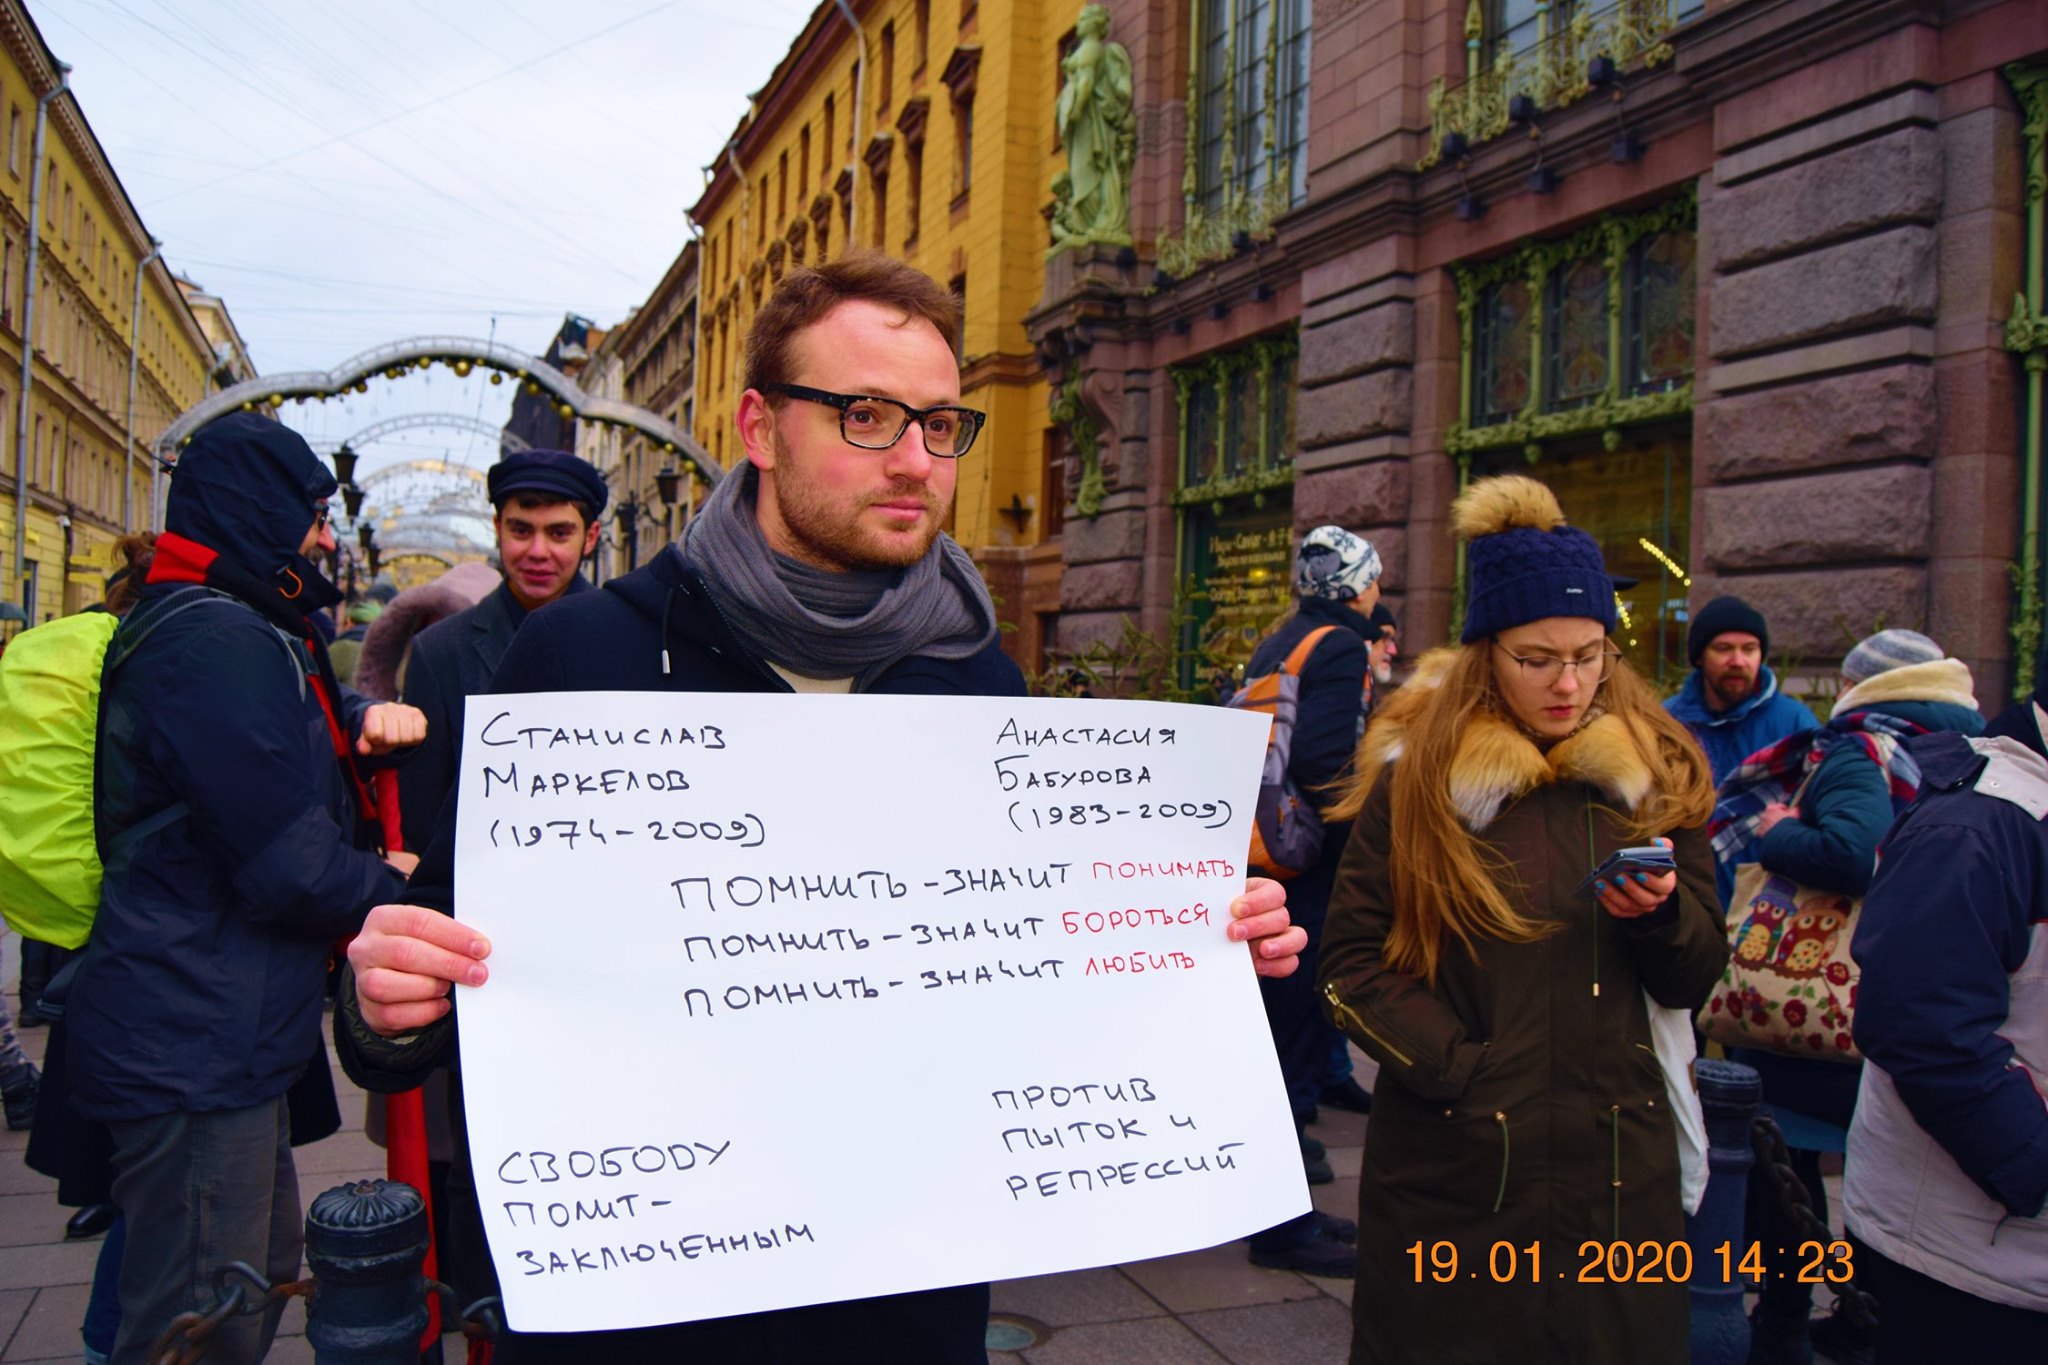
(879, 423)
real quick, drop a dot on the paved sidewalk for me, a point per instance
(1206, 1306)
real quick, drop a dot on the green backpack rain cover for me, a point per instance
(49, 716)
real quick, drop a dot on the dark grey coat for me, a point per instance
(452, 660)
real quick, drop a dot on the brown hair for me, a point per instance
(132, 557)
(803, 300)
(1444, 881)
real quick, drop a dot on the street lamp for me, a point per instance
(345, 465)
(628, 517)
(352, 499)
(669, 484)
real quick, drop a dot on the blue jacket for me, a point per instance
(1847, 808)
(451, 660)
(227, 825)
(1948, 1154)
(657, 630)
(1329, 720)
(1733, 735)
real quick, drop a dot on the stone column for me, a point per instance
(1356, 404)
(1977, 480)
(1817, 433)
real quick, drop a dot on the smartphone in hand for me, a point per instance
(1653, 859)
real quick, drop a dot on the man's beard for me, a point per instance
(1720, 688)
(834, 535)
(1382, 673)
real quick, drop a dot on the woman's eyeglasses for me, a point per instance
(1545, 669)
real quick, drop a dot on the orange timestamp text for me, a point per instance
(1600, 1262)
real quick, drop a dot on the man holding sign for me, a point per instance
(816, 566)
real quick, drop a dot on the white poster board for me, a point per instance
(796, 1000)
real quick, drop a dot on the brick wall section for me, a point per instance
(1818, 245)
(1977, 481)
(1371, 67)
(1356, 403)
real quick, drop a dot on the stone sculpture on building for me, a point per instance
(1099, 133)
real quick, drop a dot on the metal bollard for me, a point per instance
(365, 1244)
(1729, 1094)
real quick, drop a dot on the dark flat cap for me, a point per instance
(555, 473)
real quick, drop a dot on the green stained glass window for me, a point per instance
(1240, 420)
(1280, 410)
(1664, 289)
(1576, 334)
(1235, 502)
(1204, 435)
(1501, 352)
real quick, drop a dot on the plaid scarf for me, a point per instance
(1772, 775)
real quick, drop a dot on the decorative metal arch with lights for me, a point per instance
(461, 354)
(406, 525)
(421, 421)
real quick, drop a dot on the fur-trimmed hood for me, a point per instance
(1938, 680)
(1497, 764)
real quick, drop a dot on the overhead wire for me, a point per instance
(283, 102)
(445, 96)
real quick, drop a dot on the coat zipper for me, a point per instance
(1500, 1117)
(1337, 1004)
(776, 681)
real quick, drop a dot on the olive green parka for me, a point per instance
(1521, 1114)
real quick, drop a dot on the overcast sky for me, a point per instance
(348, 174)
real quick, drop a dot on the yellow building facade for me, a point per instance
(86, 482)
(937, 149)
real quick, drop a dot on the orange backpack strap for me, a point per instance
(1297, 658)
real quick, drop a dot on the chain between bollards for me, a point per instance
(185, 1340)
(483, 1320)
(1797, 1204)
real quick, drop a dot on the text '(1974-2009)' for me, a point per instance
(771, 977)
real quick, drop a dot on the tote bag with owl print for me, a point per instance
(1790, 986)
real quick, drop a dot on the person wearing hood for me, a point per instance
(1515, 1004)
(1852, 778)
(817, 565)
(1731, 701)
(235, 828)
(1945, 1188)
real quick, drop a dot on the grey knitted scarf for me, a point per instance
(833, 625)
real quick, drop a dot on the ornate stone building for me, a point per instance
(925, 133)
(105, 305)
(1756, 285)
(655, 352)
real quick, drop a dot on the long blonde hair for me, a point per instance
(1445, 882)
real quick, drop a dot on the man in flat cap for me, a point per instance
(547, 504)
